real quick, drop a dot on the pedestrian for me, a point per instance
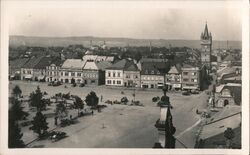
(101, 98)
(70, 117)
(92, 112)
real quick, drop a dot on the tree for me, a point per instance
(91, 99)
(15, 114)
(16, 111)
(16, 91)
(78, 104)
(15, 135)
(229, 135)
(36, 100)
(39, 124)
(61, 111)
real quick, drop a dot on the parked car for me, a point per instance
(195, 92)
(186, 93)
(57, 83)
(57, 135)
(82, 85)
(124, 100)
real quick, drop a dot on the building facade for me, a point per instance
(132, 75)
(72, 71)
(206, 47)
(190, 77)
(173, 77)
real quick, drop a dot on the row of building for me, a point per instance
(99, 70)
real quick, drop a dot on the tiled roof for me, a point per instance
(152, 60)
(119, 65)
(154, 68)
(90, 65)
(18, 63)
(73, 63)
(32, 62)
(110, 58)
(102, 65)
(174, 70)
(45, 61)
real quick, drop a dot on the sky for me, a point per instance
(130, 20)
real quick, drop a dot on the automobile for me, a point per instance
(195, 92)
(82, 85)
(73, 85)
(58, 83)
(186, 93)
(124, 100)
(57, 135)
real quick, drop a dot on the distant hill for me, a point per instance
(85, 41)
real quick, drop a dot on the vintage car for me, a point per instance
(57, 135)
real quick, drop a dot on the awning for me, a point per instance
(28, 76)
(41, 77)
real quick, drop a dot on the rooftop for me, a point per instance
(32, 62)
(73, 63)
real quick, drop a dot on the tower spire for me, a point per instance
(206, 34)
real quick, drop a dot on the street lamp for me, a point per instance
(166, 126)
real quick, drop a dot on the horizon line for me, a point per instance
(111, 38)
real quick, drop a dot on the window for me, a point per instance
(185, 80)
(136, 76)
(61, 73)
(119, 74)
(194, 80)
(113, 81)
(92, 81)
(109, 74)
(185, 73)
(72, 73)
(194, 73)
(66, 74)
(78, 74)
(128, 76)
(114, 74)
(118, 82)
(23, 71)
(109, 81)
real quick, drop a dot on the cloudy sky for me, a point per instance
(133, 20)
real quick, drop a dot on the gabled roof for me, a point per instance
(102, 65)
(174, 70)
(32, 62)
(18, 63)
(155, 68)
(119, 65)
(45, 61)
(73, 63)
(152, 60)
(90, 65)
(131, 66)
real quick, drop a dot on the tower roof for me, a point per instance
(206, 34)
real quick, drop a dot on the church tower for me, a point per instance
(206, 47)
